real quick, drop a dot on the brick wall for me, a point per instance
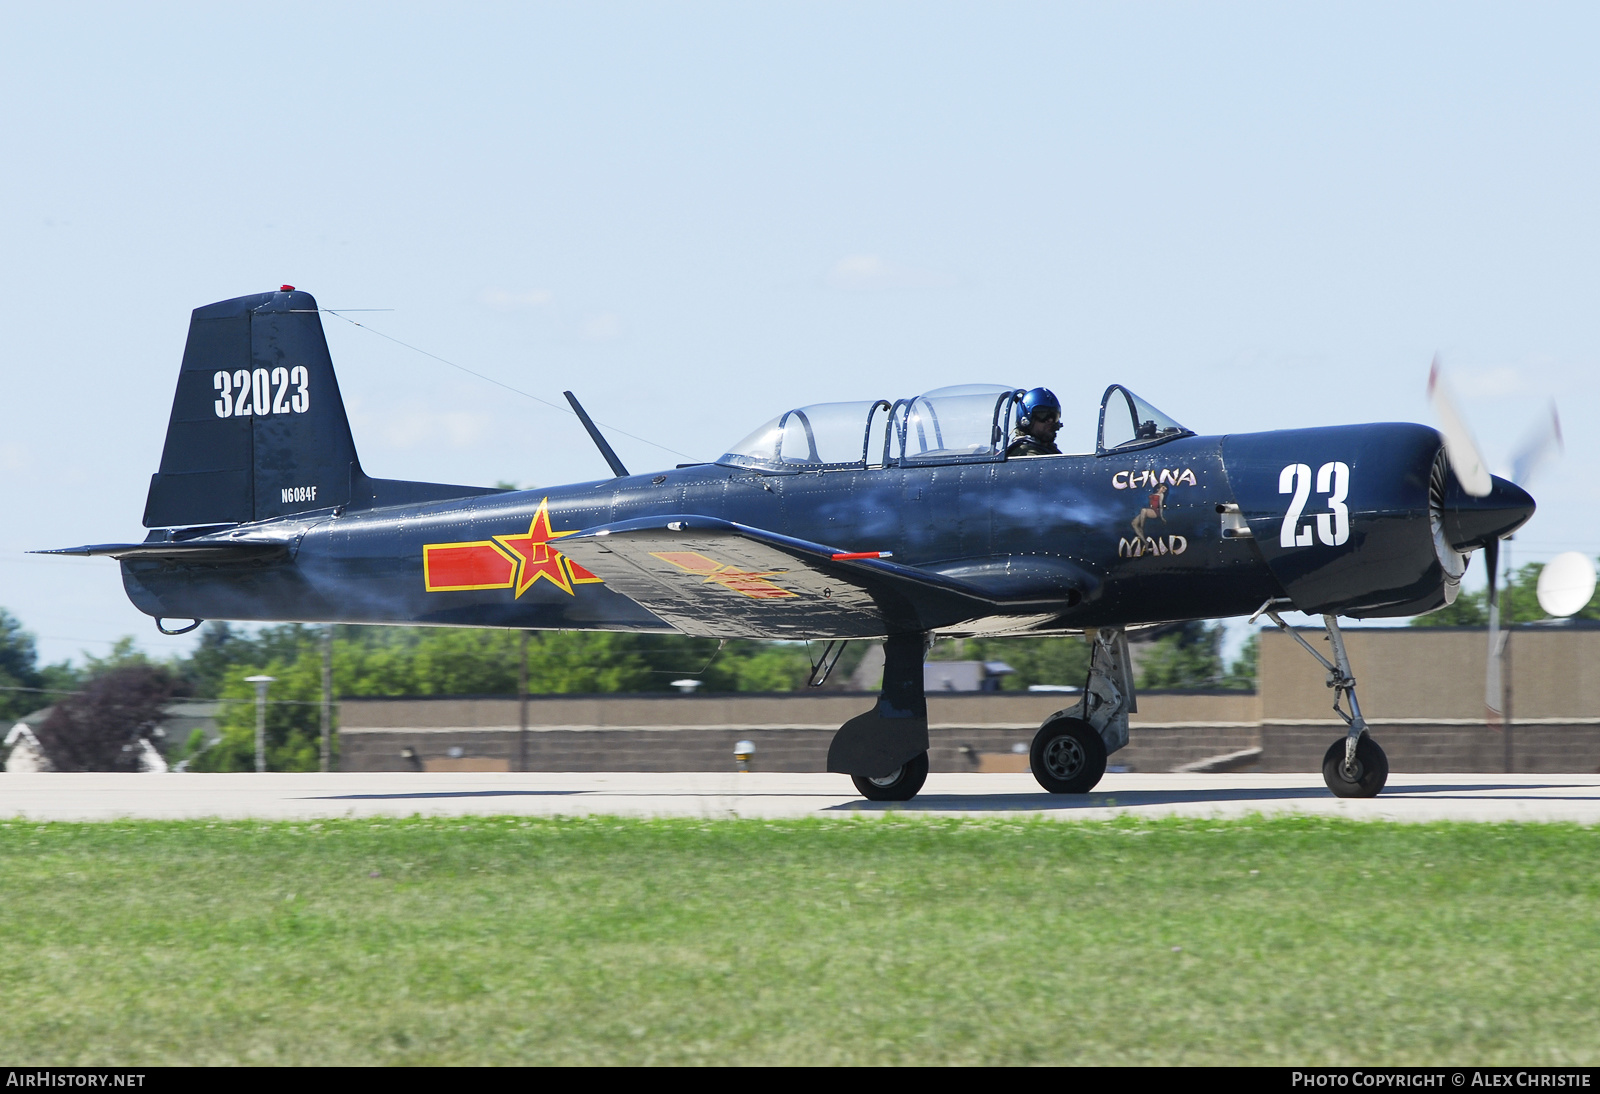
(712, 749)
(1412, 747)
(1406, 677)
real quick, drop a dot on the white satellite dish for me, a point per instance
(1566, 583)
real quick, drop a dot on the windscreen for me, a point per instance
(1127, 421)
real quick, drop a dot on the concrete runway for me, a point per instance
(727, 794)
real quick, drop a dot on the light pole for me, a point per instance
(522, 703)
(261, 683)
(327, 696)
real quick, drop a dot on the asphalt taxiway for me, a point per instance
(84, 797)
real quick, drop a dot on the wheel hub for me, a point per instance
(1064, 757)
(890, 779)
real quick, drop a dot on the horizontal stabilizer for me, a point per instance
(201, 551)
(717, 579)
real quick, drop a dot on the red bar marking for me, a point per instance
(458, 566)
(843, 555)
(692, 561)
(750, 584)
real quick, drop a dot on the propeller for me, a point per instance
(1536, 447)
(1471, 471)
(1466, 458)
(1494, 692)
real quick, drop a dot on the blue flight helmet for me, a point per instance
(1033, 400)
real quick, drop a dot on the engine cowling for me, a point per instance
(1364, 521)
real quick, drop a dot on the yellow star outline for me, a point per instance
(534, 556)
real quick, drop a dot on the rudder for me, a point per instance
(258, 427)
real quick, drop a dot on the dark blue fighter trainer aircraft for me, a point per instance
(896, 520)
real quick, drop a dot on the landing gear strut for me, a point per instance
(1069, 751)
(1354, 767)
(885, 751)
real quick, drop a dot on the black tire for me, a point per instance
(900, 786)
(1371, 770)
(1068, 756)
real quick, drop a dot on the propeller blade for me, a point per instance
(1493, 690)
(1544, 437)
(1466, 459)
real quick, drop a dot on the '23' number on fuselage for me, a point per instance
(245, 393)
(1333, 527)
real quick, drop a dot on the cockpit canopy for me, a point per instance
(970, 423)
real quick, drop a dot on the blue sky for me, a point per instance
(696, 215)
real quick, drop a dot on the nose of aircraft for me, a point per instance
(1470, 523)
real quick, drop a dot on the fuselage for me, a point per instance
(1193, 528)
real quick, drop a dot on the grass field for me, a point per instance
(884, 940)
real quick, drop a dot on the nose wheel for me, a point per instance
(1068, 756)
(1354, 766)
(1363, 776)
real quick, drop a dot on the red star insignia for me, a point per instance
(535, 557)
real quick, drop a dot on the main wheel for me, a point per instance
(1371, 769)
(900, 785)
(1068, 756)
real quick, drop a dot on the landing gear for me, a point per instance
(885, 751)
(1069, 751)
(900, 785)
(1354, 767)
(1361, 779)
(1068, 756)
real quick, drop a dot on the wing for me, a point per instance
(716, 579)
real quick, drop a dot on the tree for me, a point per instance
(220, 649)
(1051, 660)
(293, 723)
(745, 665)
(19, 673)
(1243, 672)
(1188, 657)
(99, 728)
(1191, 657)
(123, 654)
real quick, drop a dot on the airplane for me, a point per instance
(897, 520)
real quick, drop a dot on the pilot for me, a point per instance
(1038, 422)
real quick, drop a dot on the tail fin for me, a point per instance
(258, 429)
